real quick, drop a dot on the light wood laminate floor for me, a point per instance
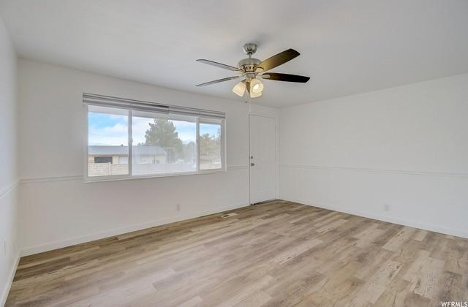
(273, 254)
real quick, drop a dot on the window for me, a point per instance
(107, 141)
(163, 144)
(210, 145)
(138, 139)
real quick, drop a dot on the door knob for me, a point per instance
(252, 164)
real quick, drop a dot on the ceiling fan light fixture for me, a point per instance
(251, 70)
(239, 89)
(256, 86)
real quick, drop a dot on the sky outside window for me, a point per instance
(111, 129)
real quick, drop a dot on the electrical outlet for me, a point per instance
(178, 207)
(386, 207)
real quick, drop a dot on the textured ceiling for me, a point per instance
(346, 47)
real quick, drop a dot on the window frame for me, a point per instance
(129, 176)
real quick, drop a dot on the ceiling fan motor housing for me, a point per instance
(248, 65)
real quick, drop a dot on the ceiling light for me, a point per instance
(239, 89)
(255, 95)
(256, 86)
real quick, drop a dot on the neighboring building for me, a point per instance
(149, 155)
(113, 160)
(119, 154)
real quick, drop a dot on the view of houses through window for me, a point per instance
(107, 141)
(161, 143)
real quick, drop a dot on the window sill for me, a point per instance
(122, 178)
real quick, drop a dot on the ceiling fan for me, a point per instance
(252, 70)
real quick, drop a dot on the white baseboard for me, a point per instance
(114, 232)
(11, 275)
(390, 219)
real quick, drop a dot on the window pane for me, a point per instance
(107, 141)
(210, 146)
(163, 144)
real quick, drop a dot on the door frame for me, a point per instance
(275, 119)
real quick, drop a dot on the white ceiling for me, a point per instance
(346, 47)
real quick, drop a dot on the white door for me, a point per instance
(262, 158)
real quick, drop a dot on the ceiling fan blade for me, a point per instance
(218, 81)
(284, 77)
(277, 60)
(220, 65)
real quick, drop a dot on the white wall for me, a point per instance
(8, 169)
(404, 147)
(58, 209)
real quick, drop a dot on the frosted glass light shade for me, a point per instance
(239, 89)
(255, 95)
(256, 86)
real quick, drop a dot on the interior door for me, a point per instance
(262, 158)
